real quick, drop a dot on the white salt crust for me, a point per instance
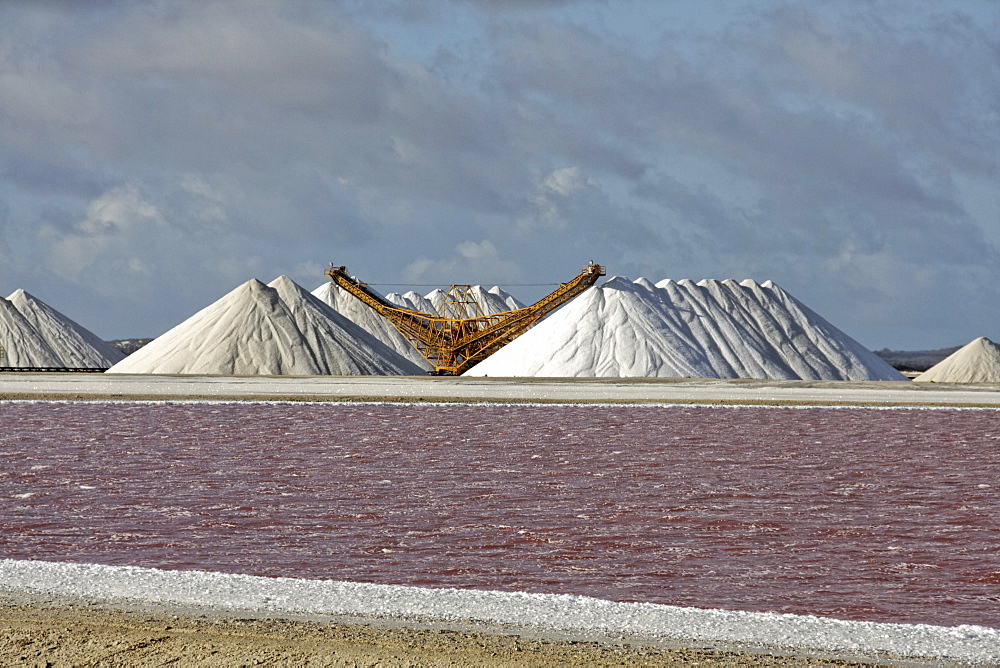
(561, 613)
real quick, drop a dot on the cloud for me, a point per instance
(114, 222)
(6, 259)
(249, 51)
(38, 93)
(470, 262)
(780, 140)
(211, 203)
(552, 192)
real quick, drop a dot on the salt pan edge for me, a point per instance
(541, 611)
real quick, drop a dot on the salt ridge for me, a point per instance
(274, 329)
(551, 612)
(22, 345)
(368, 319)
(494, 300)
(338, 343)
(33, 334)
(709, 329)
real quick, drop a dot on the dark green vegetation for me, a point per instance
(914, 360)
(129, 346)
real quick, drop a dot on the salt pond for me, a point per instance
(859, 514)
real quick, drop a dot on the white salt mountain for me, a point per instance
(510, 300)
(368, 319)
(73, 345)
(276, 329)
(33, 334)
(712, 329)
(976, 362)
(491, 301)
(411, 300)
(20, 344)
(494, 300)
(335, 337)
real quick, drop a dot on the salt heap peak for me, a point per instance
(437, 298)
(73, 345)
(494, 300)
(709, 329)
(512, 302)
(368, 319)
(266, 330)
(976, 362)
(21, 345)
(411, 300)
(335, 337)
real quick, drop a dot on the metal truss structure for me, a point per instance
(463, 336)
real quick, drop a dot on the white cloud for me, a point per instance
(209, 203)
(554, 192)
(269, 138)
(483, 251)
(114, 223)
(565, 181)
(471, 262)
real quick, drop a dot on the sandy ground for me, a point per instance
(38, 631)
(46, 632)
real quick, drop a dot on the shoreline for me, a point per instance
(73, 613)
(46, 629)
(20, 386)
(40, 628)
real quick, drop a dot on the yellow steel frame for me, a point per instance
(454, 344)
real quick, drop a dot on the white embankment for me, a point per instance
(556, 613)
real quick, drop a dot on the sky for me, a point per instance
(155, 155)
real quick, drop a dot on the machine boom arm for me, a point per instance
(453, 345)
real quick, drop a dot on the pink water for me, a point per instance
(882, 515)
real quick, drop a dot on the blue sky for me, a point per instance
(155, 155)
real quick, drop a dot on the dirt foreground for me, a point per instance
(61, 634)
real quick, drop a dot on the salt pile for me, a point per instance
(271, 329)
(976, 362)
(512, 302)
(413, 301)
(709, 329)
(511, 610)
(494, 300)
(33, 334)
(22, 344)
(368, 319)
